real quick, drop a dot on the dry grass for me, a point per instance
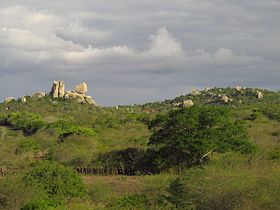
(261, 133)
(120, 185)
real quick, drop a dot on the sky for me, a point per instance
(131, 51)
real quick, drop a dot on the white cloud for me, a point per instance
(164, 44)
(91, 55)
(76, 32)
(28, 18)
(148, 45)
(27, 40)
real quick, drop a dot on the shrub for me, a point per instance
(129, 160)
(132, 202)
(26, 145)
(66, 128)
(272, 111)
(29, 123)
(179, 195)
(58, 182)
(14, 193)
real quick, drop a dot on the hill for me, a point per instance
(221, 151)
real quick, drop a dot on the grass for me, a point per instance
(261, 133)
(119, 138)
(228, 181)
(231, 182)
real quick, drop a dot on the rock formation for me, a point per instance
(61, 89)
(23, 99)
(58, 89)
(9, 99)
(225, 98)
(238, 89)
(78, 94)
(38, 95)
(74, 95)
(259, 94)
(54, 90)
(81, 88)
(195, 92)
(207, 89)
(187, 103)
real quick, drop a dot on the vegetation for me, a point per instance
(56, 181)
(60, 154)
(185, 137)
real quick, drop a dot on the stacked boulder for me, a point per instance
(58, 89)
(78, 94)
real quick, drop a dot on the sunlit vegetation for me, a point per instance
(57, 154)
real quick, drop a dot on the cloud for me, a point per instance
(164, 44)
(148, 50)
(76, 32)
(28, 41)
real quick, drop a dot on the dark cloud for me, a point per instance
(135, 51)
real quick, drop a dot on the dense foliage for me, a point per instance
(58, 182)
(60, 154)
(28, 122)
(184, 137)
(65, 128)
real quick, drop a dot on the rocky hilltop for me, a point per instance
(79, 94)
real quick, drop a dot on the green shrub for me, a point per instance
(274, 154)
(66, 128)
(272, 111)
(38, 204)
(14, 194)
(58, 182)
(132, 202)
(26, 145)
(27, 122)
(179, 195)
(129, 160)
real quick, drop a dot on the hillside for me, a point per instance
(219, 150)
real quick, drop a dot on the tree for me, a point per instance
(185, 137)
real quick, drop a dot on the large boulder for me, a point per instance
(61, 89)
(58, 89)
(23, 99)
(238, 89)
(225, 98)
(9, 99)
(54, 90)
(90, 101)
(187, 103)
(81, 88)
(259, 94)
(195, 92)
(38, 95)
(74, 95)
